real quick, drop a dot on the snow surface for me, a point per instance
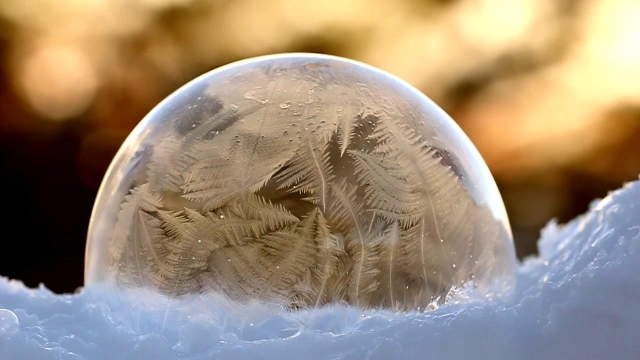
(580, 299)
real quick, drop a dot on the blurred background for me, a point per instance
(548, 90)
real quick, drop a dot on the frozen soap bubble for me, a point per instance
(9, 323)
(300, 180)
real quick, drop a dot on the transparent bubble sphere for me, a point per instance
(300, 180)
(9, 322)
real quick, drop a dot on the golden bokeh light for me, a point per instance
(57, 81)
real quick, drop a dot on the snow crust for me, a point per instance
(579, 299)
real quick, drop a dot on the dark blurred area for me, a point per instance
(549, 91)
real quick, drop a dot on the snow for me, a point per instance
(580, 299)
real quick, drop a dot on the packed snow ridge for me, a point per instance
(579, 299)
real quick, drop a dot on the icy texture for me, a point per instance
(300, 180)
(579, 300)
(8, 322)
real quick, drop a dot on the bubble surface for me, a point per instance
(9, 323)
(300, 180)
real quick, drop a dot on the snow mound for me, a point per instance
(580, 299)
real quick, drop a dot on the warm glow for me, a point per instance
(58, 81)
(548, 90)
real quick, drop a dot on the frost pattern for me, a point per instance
(301, 204)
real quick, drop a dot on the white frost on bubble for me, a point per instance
(580, 299)
(8, 322)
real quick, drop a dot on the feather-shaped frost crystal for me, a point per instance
(301, 180)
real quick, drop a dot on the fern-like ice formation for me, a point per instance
(302, 205)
